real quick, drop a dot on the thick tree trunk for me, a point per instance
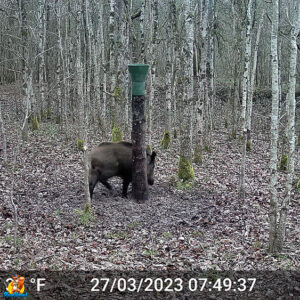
(140, 190)
(185, 169)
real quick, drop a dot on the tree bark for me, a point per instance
(140, 190)
(252, 80)
(291, 127)
(244, 101)
(185, 169)
(274, 131)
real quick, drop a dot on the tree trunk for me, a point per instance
(140, 190)
(244, 101)
(252, 82)
(3, 135)
(185, 168)
(82, 115)
(274, 132)
(112, 65)
(291, 127)
(41, 46)
(153, 48)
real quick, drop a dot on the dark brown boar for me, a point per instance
(115, 159)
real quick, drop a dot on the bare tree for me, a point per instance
(153, 49)
(274, 130)
(201, 99)
(280, 234)
(244, 100)
(185, 169)
(252, 81)
(3, 135)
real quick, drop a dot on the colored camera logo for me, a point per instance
(16, 287)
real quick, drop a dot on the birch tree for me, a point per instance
(153, 48)
(202, 82)
(112, 68)
(244, 100)
(185, 168)
(210, 68)
(104, 67)
(176, 60)
(26, 73)
(41, 48)
(2, 136)
(274, 130)
(82, 140)
(278, 229)
(166, 140)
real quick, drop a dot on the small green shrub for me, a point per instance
(117, 134)
(207, 148)
(283, 162)
(185, 169)
(233, 134)
(248, 146)
(85, 216)
(166, 140)
(298, 184)
(184, 185)
(226, 123)
(80, 144)
(35, 123)
(298, 140)
(118, 93)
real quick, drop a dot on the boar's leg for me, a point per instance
(93, 179)
(104, 182)
(125, 188)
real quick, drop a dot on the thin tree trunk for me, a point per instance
(3, 144)
(153, 48)
(274, 132)
(104, 117)
(244, 101)
(112, 66)
(201, 99)
(252, 81)
(176, 60)
(41, 46)
(82, 114)
(142, 56)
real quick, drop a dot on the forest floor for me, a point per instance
(205, 226)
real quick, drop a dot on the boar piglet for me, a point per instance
(115, 159)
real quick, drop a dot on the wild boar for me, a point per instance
(115, 159)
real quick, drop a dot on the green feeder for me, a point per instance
(138, 73)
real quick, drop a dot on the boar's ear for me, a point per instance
(153, 155)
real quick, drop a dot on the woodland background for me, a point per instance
(221, 114)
